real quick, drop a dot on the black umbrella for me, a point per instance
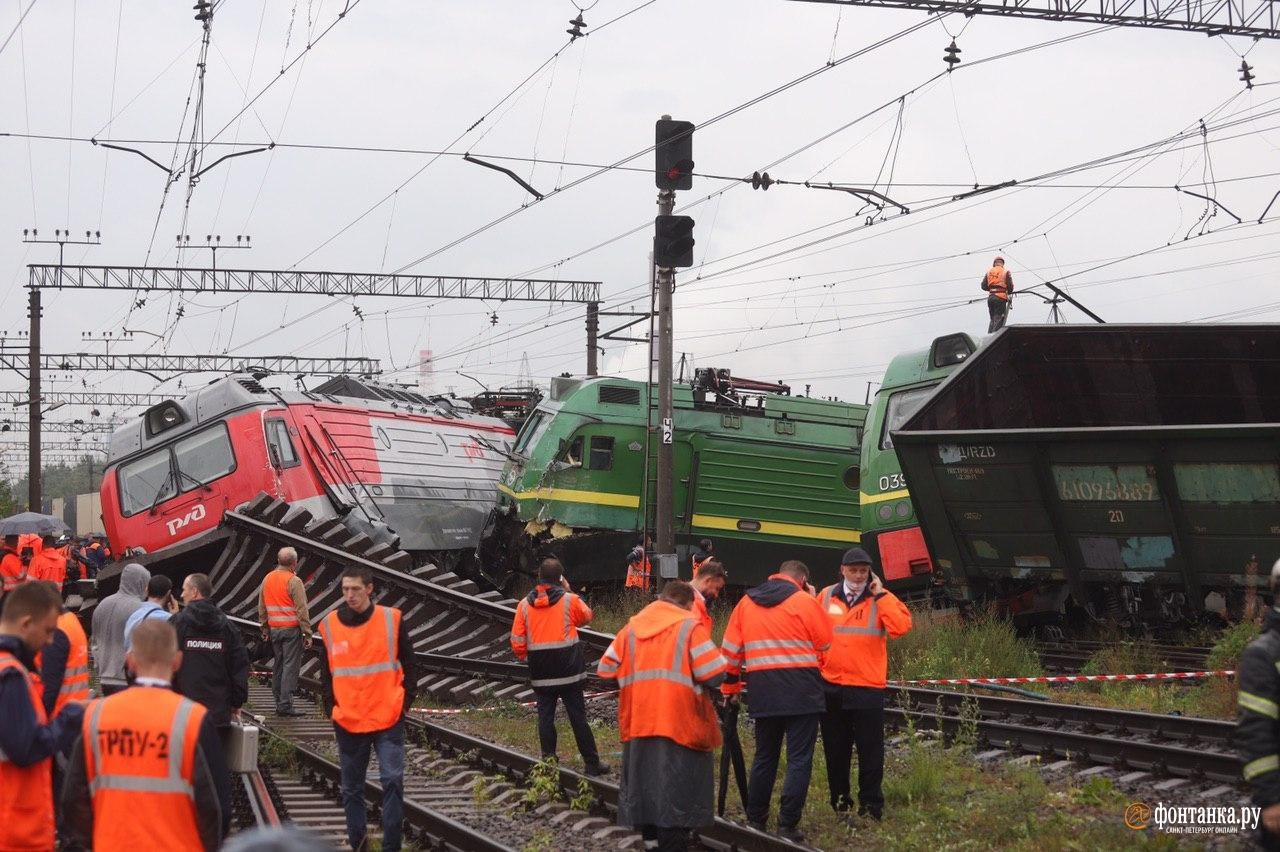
(24, 523)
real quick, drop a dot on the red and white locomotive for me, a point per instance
(386, 460)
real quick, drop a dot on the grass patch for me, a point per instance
(944, 646)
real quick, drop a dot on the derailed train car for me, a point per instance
(416, 471)
(1129, 472)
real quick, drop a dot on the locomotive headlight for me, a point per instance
(902, 509)
(885, 512)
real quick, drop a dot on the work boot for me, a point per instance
(874, 813)
(597, 769)
(792, 833)
(758, 826)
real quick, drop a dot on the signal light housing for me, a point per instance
(673, 154)
(673, 241)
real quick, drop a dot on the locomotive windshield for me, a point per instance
(190, 463)
(901, 406)
(532, 430)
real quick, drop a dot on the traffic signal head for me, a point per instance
(673, 241)
(673, 154)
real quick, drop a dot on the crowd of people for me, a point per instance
(814, 660)
(55, 558)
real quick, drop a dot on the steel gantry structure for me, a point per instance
(85, 427)
(93, 362)
(106, 398)
(1256, 18)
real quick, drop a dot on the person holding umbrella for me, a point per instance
(13, 569)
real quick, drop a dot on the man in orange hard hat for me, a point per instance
(998, 282)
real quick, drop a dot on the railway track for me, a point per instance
(1072, 656)
(461, 640)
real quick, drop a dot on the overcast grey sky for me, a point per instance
(416, 75)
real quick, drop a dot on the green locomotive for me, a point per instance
(890, 530)
(766, 475)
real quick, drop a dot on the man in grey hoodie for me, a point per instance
(109, 618)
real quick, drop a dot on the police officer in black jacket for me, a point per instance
(214, 672)
(1258, 728)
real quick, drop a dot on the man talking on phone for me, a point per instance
(864, 615)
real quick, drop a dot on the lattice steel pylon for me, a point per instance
(1256, 18)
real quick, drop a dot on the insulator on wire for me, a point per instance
(951, 55)
(761, 180)
(1246, 74)
(575, 28)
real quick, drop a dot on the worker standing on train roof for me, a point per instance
(864, 615)
(998, 282)
(12, 570)
(109, 618)
(639, 570)
(705, 551)
(1258, 727)
(708, 582)
(367, 669)
(776, 639)
(139, 776)
(28, 739)
(214, 671)
(665, 664)
(286, 622)
(545, 633)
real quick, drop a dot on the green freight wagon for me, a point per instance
(766, 476)
(1107, 472)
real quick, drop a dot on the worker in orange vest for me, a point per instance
(545, 632)
(49, 563)
(139, 776)
(13, 570)
(777, 636)
(709, 578)
(639, 570)
(666, 665)
(367, 669)
(998, 282)
(64, 664)
(864, 616)
(28, 740)
(286, 622)
(705, 551)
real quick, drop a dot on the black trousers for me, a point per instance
(664, 839)
(800, 733)
(842, 730)
(575, 707)
(999, 310)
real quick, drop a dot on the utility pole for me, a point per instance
(63, 239)
(593, 328)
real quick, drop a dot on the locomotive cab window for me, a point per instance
(601, 453)
(145, 481)
(571, 451)
(204, 457)
(191, 463)
(901, 406)
(279, 445)
(532, 431)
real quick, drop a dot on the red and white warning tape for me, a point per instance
(963, 681)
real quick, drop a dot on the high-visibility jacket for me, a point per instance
(545, 632)
(998, 282)
(49, 564)
(26, 792)
(75, 680)
(777, 636)
(12, 571)
(661, 660)
(700, 609)
(140, 762)
(638, 574)
(859, 654)
(281, 611)
(368, 682)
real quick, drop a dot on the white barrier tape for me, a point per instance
(965, 681)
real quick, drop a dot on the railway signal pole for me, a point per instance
(672, 247)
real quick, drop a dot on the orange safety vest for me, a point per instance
(12, 571)
(658, 660)
(998, 282)
(26, 792)
(792, 635)
(859, 654)
(368, 682)
(140, 762)
(49, 564)
(281, 611)
(638, 575)
(75, 681)
(549, 631)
